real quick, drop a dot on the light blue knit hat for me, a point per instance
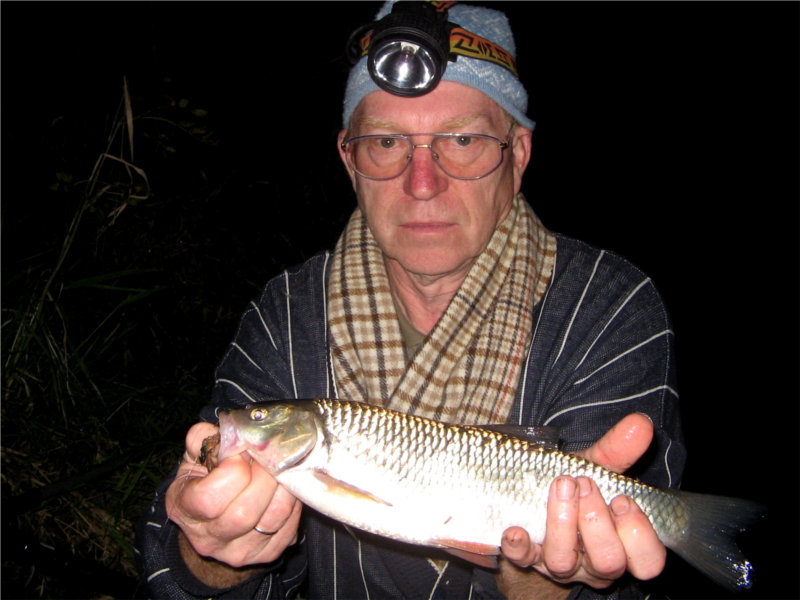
(495, 81)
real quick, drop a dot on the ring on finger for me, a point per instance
(256, 528)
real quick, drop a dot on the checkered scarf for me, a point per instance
(469, 365)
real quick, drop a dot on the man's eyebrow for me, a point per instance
(370, 122)
(460, 122)
(374, 122)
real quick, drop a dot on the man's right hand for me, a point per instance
(219, 511)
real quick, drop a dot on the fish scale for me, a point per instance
(446, 452)
(456, 487)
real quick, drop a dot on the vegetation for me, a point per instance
(149, 192)
(123, 278)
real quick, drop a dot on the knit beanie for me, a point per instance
(495, 81)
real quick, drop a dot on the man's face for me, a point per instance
(429, 223)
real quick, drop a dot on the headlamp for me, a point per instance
(408, 50)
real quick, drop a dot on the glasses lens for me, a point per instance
(468, 156)
(379, 157)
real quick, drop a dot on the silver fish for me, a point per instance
(458, 487)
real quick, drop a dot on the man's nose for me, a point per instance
(423, 178)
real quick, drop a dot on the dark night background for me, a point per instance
(666, 132)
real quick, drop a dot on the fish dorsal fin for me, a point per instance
(542, 436)
(342, 488)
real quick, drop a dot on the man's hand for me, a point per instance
(218, 513)
(586, 540)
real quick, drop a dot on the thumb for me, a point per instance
(623, 444)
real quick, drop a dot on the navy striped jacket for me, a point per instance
(602, 348)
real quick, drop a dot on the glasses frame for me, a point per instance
(407, 136)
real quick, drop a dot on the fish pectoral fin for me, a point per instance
(337, 486)
(483, 555)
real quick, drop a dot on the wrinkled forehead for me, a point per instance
(450, 107)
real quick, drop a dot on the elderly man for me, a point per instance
(445, 297)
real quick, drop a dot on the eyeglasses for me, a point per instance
(459, 155)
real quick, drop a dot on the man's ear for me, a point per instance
(521, 154)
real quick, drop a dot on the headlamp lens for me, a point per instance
(404, 68)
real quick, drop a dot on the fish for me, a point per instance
(457, 487)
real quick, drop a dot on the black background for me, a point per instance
(666, 132)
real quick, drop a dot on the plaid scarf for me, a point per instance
(468, 369)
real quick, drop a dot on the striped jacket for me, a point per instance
(602, 348)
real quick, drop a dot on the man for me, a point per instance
(445, 297)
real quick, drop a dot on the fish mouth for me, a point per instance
(229, 441)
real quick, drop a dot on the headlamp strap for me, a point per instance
(365, 42)
(463, 43)
(466, 43)
(442, 7)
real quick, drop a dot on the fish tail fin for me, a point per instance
(708, 542)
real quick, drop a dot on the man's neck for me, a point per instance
(423, 298)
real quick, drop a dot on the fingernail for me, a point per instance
(565, 488)
(584, 487)
(620, 505)
(634, 429)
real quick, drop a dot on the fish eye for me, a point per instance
(258, 414)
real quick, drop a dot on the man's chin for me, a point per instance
(423, 264)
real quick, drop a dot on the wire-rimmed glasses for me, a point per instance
(459, 155)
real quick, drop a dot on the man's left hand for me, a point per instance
(587, 540)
